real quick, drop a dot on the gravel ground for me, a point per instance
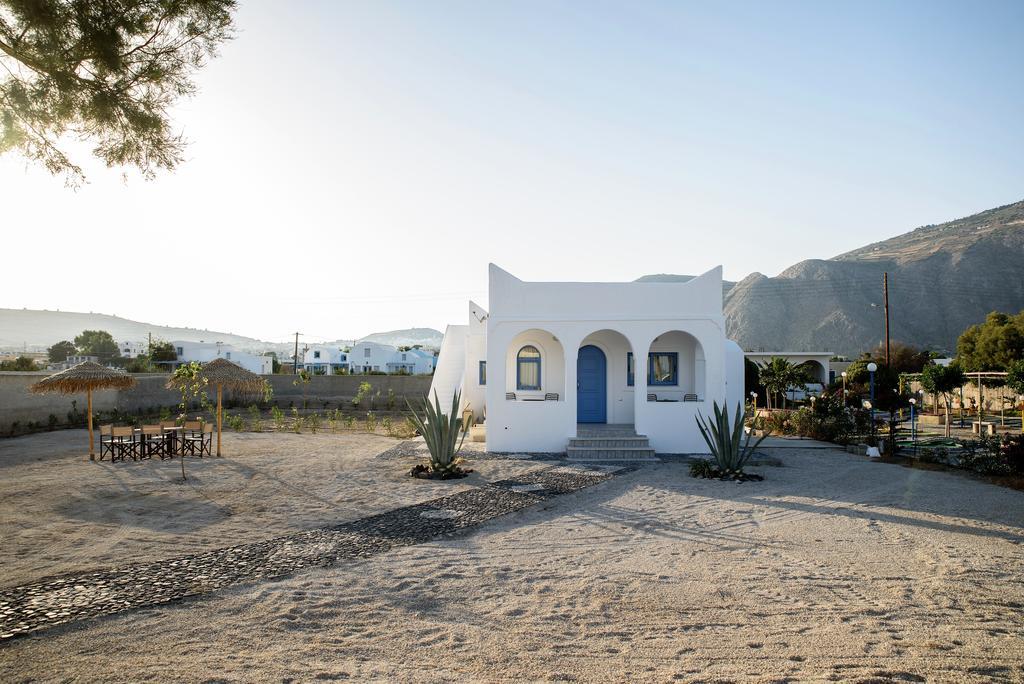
(832, 568)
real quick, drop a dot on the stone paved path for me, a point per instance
(68, 598)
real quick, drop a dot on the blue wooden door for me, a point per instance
(591, 386)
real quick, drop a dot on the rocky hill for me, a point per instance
(942, 279)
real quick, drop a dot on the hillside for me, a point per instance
(36, 330)
(32, 328)
(942, 279)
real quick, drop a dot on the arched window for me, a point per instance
(528, 368)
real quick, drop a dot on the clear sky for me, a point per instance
(354, 166)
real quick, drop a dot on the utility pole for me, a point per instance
(295, 359)
(885, 296)
(149, 349)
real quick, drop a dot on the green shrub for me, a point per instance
(371, 422)
(235, 422)
(725, 439)
(313, 422)
(702, 467)
(364, 389)
(444, 434)
(278, 416)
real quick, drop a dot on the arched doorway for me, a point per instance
(591, 385)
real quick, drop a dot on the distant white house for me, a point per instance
(72, 360)
(817, 363)
(372, 357)
(131, 349)
(203, 352)
(324, 360)
(553, 362)
(412, 361)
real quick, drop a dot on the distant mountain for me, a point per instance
(32, 328)
(942, 279)
(672, 278)
(427, 337)
(36, 330)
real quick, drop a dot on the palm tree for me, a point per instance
(778, 376)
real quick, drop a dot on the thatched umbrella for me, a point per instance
(223, 373)
(85, 377)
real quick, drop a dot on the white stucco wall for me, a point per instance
(558, 318)
(473, 393)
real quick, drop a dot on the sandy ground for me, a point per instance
(60, 512)
(833, 568)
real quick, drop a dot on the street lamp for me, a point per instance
(753, 399)
(844, 388)
(913, 427)
(872, 367)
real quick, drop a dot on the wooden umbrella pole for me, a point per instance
(219, 416)
(88, 407)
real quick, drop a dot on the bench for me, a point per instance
(978, 427)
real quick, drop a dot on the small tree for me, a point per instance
(189, 381)
(943, 380)
(303, 380)
(61, 351)
(778, 376)
(162, 351)
(98, 343)
(1015, 381)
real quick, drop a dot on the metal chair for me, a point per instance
(154, 441)
(199, 443)
(124, 444)
(106, 441)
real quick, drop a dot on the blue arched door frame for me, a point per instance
(591, 385)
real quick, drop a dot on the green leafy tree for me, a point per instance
(61, 351)
(1015, 381)
(943, 380)
(140, 364)
(903, 358)
(993, 345)
(105, 72)
(779, 375)
(22, 363)
(98, 343)
(162, 351)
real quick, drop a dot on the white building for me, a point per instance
(132, 349)
(412, 361)
(371, 357)
(817, 365)
(324, 360)
(551, 360)
(204, 352)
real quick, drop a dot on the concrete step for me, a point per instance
(609, 442)
(576, 453)
(585, 433)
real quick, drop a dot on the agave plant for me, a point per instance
(730, 451)
(441, 432)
